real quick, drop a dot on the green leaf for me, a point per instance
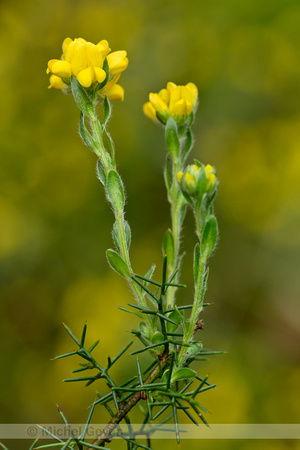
(196, 262)
(115, 234)
(168, 245)
(105, 67)
(83, 101)
(144, 330)
(167, 175)
(156, 339)
(188, 198)
(111, 146)
(209, 237)
(183, 320)
(101, 172)
(201, 180)
(115, 190)
(193, 350)
(117, 263)
(85, 134)
(107, 110)
(182, 374)
(165, 376)
(150, 273)
(172, 141)
(188, 144)
(182, 213)
(175, 316)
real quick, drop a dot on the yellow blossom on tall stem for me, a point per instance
(86, 61)
(176, 101)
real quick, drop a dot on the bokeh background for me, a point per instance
(55, 224)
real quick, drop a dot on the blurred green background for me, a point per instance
(55, 223)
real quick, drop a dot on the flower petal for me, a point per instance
(149, 111)
(61, 69)
(116, 93)
(56, 82)
(100, 74)
(104, 47)
(85, 77)
(117, 62)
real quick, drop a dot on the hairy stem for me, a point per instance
(104, 156)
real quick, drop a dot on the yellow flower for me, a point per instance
(211, 179)
(115, 92)
(159, 105)
(117, 62)
(56, 82)
(149, 111)
(176, 101)
(85, 60)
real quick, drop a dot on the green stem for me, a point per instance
(199, 287)
(104, 436)
(176, 207)
(196, 309)
(104, 156)
(100, 150)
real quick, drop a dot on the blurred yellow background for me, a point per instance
(56, 225)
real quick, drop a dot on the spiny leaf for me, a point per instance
(68, 380)
(72, 335)
(83, 334)
(65, 355)
(145, 288)
(32, 445)
(124, 349)
(155, 283)
(131, 312)
(93, 346)
(88, 445)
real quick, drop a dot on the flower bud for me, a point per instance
(197, 179)
(211, 179)
(188, 179)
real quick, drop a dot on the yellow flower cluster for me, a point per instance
(176, 101)
(189, 180)
(85, 60)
